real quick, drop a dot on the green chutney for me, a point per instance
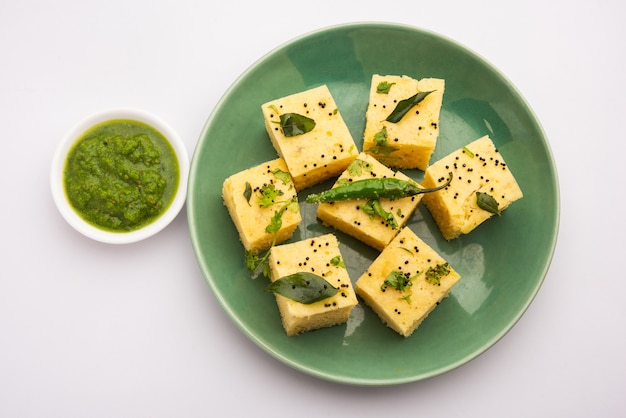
(121, 175)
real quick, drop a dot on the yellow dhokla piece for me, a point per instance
(477, 167)
(319, 154)
(243, 196)
(410, 142)
(349, 216)
(321, 256)
(407, 256)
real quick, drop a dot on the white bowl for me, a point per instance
(91, 231)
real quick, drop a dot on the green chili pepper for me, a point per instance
(373, 188)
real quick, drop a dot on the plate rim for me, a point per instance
(231, 313)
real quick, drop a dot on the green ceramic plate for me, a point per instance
(503, 262)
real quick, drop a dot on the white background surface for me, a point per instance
(94, 330)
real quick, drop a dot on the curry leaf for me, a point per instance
(294, 124)
(247, 193)
(403, 106)
(303, 287)
(486, 202)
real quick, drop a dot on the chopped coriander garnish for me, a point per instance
(396, 280)
(342, 182)
(468, 152)
(268, 195)
(281, 175)
(399, 281)
(434, 274)
(374, 208)
(274, 108)
(383, 87)
(277, 220)
(380, 138)
(337, 261)
(254, 261)
(358, 167)
(381, 146)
